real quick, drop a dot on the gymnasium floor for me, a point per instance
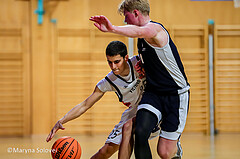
(195, 146)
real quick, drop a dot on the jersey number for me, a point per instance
(113, 134)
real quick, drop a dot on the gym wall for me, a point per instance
(46, 69)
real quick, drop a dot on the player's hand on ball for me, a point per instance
(56, 127)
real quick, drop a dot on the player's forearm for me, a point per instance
(81, 108)
(129, 31)
(75, 112)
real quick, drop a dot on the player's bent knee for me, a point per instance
(127, 127)
(164, 154)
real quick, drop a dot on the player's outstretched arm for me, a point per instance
(76, 111)
(147, 31)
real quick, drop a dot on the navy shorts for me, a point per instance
(171, 111)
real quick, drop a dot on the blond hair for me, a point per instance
(131, 5)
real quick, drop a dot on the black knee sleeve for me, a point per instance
(145, 123)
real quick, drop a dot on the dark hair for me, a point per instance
(116, 48)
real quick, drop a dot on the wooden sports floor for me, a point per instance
(195, 146)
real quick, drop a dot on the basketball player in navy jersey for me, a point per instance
(128, 82)
(166, 97)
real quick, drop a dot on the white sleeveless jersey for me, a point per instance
(128, 89)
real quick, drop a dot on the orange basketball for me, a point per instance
(66, 148)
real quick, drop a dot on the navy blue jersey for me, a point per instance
(164, 69)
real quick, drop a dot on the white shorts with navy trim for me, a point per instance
(116, 135)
